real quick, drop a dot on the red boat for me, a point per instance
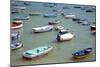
(16, 24)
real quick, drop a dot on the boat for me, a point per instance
(63, 31)
(58, 27)
(37, 52)
(50, 15)
(93, 29)
(82, 53)
(76, 19)
(34, 13)
(19, 7)
(77, 6)
(89, 10)
(16, 24)
(54, 22)
(42, 29)
(69, 16)
(65, 36)
(15, 35)
(21, 18)
(16, 45)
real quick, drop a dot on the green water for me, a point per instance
(62, 51)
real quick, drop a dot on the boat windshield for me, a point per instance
(28, 53)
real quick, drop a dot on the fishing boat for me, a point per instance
(63, 31)
(65, 36)
(16, 24)
(54, 22)
(69, 16)
(16, 45)
(89, 10)
(21, 18)
(85, 22)
(15, 35)
(50, 15)
(42, 29)
(82, 53)
(34, 13)
(77, 6)
(37, 52)
(93, 29)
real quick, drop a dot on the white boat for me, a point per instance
(58, 27)
(70, 16)
(16, 46)
(36, 52)
(16, 24)
(43, 28)
(65, 36)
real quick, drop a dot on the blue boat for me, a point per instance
(50, 15)
(82, 53)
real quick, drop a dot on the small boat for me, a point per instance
(16, 46)
(69, 16)
(89, 10)
(58, 27)
(93, 29)
(65, 36)
(65, 7)
(50, 15)
(16, 24)
(19, 7)
(76, 19)
(34, 13)
(42, 29)
(82, 53)
(15, 36)
(54, 22)
(37, 52)
(77, 6)
(63, 31)
(21, 18)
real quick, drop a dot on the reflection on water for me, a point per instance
(62, 51)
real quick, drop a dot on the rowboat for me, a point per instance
(15, 36)
(42, 29)
(82, 53)
(16, 24)
(16, 45)
(37, 52)
(65, 36)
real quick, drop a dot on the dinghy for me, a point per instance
(16, 24)
(82, 53)
(16, 45)
(15, 36)
(65, 36)
(36, 52)
(42, 29)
